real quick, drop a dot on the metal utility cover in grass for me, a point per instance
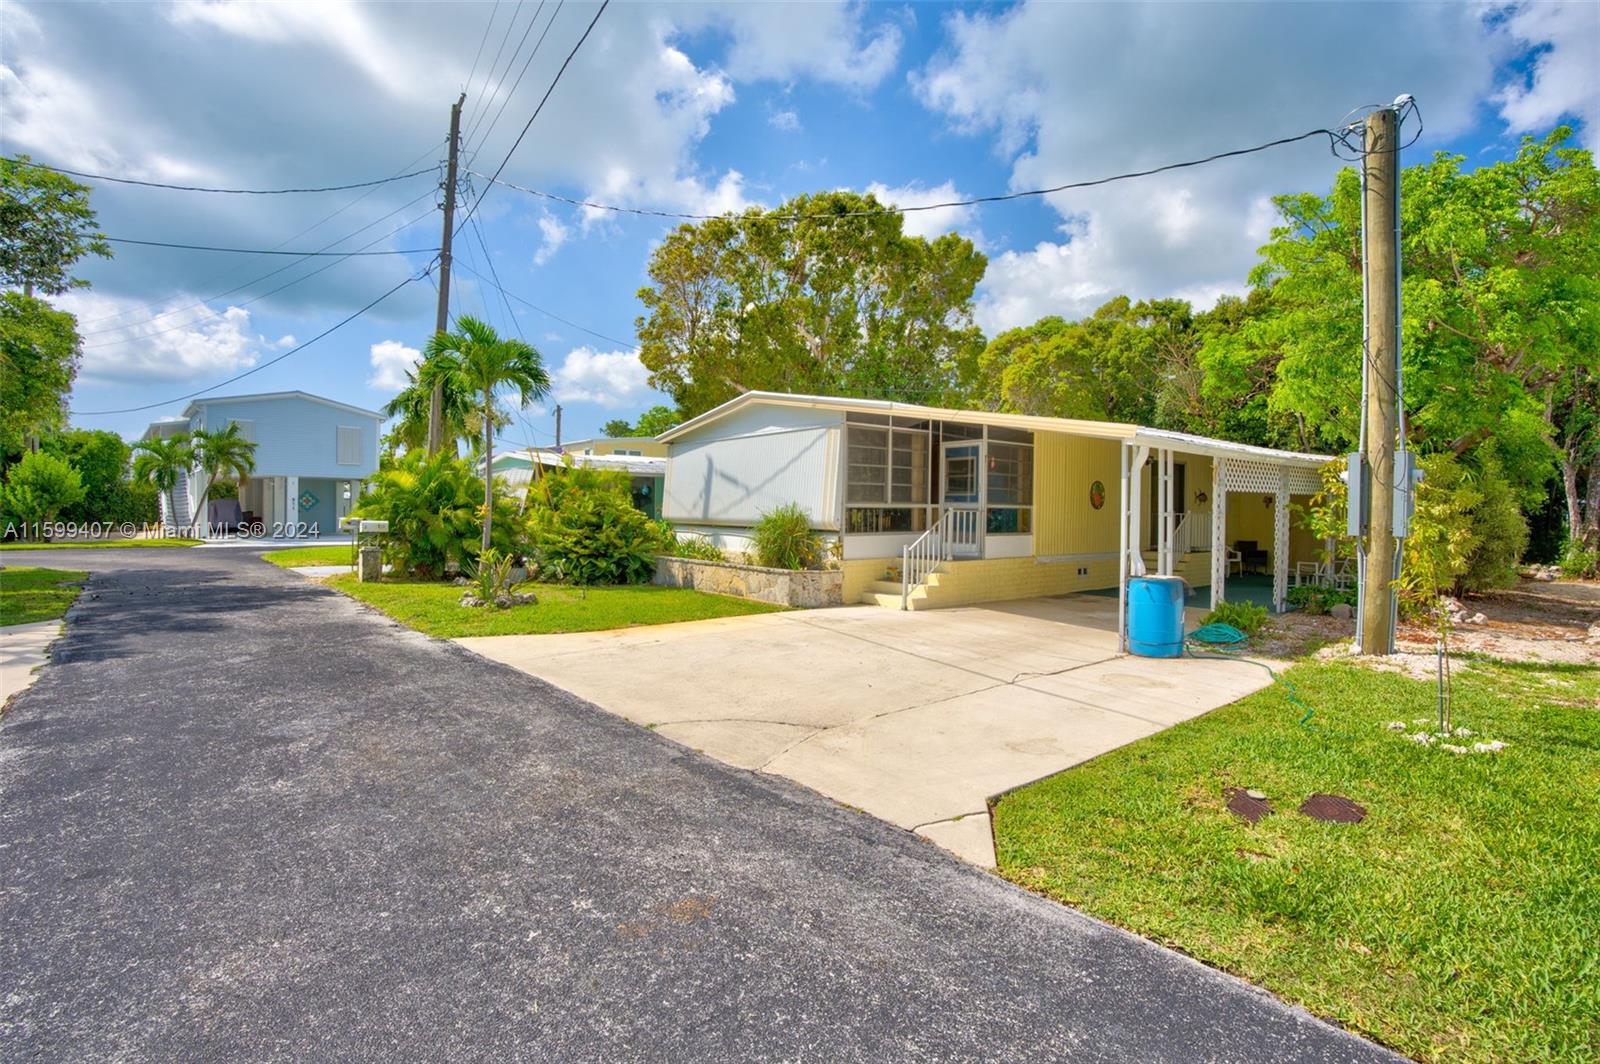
(1246, 808)
(1333, 809)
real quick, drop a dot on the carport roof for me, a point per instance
(1105, 430)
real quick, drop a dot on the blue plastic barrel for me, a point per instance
(1155, 616)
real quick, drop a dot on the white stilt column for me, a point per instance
(291, 505)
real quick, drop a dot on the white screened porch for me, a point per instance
(1276, 477)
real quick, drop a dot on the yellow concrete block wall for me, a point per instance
(859, 573)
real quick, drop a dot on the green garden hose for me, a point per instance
(1230, 640)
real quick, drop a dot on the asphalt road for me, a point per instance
(243, 817)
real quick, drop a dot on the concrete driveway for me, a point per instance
(917, 718)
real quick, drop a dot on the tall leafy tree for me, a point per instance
(810, 297)
(221, 453)
(46, 226)
(479, 360)
(1502, 304)
(162, 462)
(652, 422)
(39, 350)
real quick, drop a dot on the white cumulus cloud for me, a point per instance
(130, 341)
(926, 223)
(553, 234)
(611, 379)
(391, 360)
(1565, 80)
(1071, 92)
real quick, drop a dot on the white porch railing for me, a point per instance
(1193, 532)
(955, 532)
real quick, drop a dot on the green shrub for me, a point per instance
(37, 489)
(491, 574)
(1502, 531)
(434, 508)
(697, 547)
(584, 529)
(1577, 561)
(1317, 600)
(784, 539)
(1245, 616)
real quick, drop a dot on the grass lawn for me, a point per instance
(1459, 921)
(330, 555)
(28, 595)
(101, 544)
(435, 608)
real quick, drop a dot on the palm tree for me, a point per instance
(162, 461)
(483, 363)
(220, 453)
(411, 406)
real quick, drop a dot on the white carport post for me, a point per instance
(1280, 544)
(1122, 554)
(1168, 532)
(1219, 528)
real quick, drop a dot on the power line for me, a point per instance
(266, 251)
(489, 75)
(493, 11)
(542, 101)
(205, 303)
(629, 344)
(231, 191)
(487, 133)
(945, 205)
(319, 223)
(270, 362)
(212, 314)
(511, 61)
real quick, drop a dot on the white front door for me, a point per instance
(961, 497)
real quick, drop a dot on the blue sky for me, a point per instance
(698, 107)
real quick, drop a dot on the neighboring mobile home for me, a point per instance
(997, 506)
(312, 456)
(646, 473)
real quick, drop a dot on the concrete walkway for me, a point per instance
(244, 818)
(24, 648)
(917, 718)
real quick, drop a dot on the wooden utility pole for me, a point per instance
(442, 319)
(558, 426)
(1381, 165)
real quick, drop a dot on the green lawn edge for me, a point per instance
(29, 594)
(434, 608)
(330, 554)
(1458, 922)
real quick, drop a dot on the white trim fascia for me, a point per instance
(1190, 444)
(199, 404)
(1114, 430)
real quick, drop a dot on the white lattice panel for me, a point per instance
(1303, 481)
(1241, 474)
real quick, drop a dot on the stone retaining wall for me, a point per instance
(806, 588)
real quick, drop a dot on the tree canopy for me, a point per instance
(836, 302)
(46, 226)
(652, 422)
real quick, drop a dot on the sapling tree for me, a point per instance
(1437, 552)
